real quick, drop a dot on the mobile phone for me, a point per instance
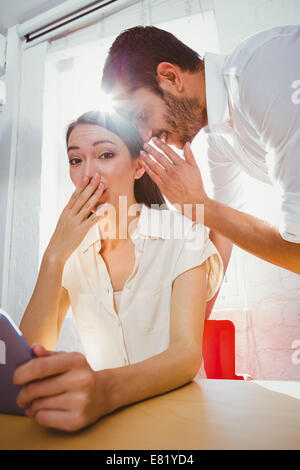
(14, 351)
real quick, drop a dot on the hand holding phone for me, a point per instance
(14, 351)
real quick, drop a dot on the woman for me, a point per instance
(137, 280)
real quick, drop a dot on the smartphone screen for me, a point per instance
(14, 351)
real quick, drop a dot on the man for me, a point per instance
(248, 103)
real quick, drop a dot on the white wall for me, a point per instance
(4, 164)
(4, 175)
(25, 213)
(21, 145)
(267, 332)
(18, 11)
(238, 19)
(8, 133)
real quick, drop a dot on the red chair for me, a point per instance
(218, 350)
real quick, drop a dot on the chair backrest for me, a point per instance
(218, 350)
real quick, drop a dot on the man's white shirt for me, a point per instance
(254, 121)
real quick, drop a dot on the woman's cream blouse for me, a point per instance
(166, 245)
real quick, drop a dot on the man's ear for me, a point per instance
(170, 77)
(139, 170)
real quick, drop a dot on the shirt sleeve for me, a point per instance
(196, 249)
(227, 177)
(271, 104)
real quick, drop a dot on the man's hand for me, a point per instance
(61, 390)
(179, 179)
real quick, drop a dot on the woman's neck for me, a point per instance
(117, 224)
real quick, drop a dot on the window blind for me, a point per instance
(106, 15)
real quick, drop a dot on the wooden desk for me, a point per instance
(205, 414)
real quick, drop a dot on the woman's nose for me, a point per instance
(91, 168)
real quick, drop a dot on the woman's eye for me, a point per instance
(74, 161)
(106, 155)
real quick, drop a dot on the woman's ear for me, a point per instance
(169, 77)
(139, 170)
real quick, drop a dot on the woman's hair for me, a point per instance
(135, 54)
(145, 190)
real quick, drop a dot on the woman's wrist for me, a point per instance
(53, 257)
(107, 391)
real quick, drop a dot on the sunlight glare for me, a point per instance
(106, 102)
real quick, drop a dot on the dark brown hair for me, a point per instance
(145, 190)
(135, 54)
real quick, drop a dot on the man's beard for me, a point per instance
(185, 116)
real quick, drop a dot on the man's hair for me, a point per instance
(135, 54)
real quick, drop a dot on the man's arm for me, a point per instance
(181, 182)
(253, 235)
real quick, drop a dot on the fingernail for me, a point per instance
(96, 176)
(147, 146)
(143, 154)
(156, 140)
(85, 179)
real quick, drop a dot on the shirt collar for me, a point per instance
(216, 94)
(93, 236)
(151, 224)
